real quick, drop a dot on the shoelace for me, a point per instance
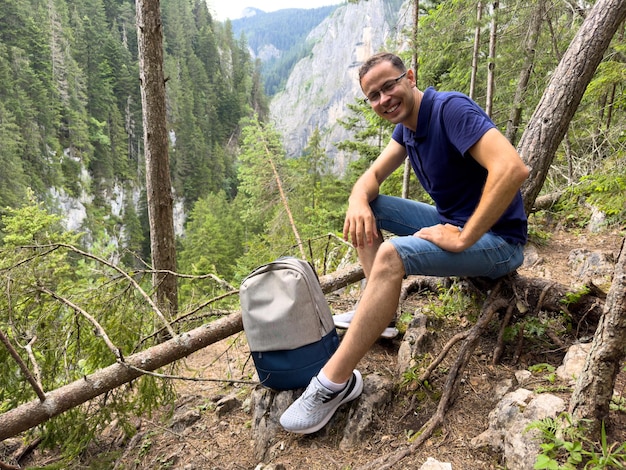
(309, 400)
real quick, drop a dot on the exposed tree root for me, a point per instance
(6, 466)
(495, 301)
(497, 352)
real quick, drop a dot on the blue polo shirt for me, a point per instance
(448, 125)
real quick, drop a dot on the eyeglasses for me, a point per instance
(388, 87)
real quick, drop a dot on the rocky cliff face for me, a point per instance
(321, 85)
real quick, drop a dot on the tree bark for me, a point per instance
(530, 46)
(476, 52)
(158, 182)
(594, 388)
(283, 198)
(551, 118)
(406, 175)
(493, 36)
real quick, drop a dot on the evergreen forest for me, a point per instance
(71, 130)
(279, 40)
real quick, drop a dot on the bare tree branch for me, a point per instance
(124, 274)
(33, 360)
(23, 367)
(117, 352)
(283, 198)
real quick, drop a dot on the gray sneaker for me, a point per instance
(314, 408)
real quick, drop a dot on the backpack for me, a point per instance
(287, 322)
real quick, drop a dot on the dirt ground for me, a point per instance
(225, 441)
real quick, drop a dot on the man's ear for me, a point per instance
(410, 75)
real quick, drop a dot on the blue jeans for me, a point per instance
(491, 256)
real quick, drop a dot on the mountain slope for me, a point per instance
(323, 83)
(279, 39)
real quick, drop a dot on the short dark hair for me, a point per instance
(377, 59)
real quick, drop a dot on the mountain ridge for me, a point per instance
(279, 39)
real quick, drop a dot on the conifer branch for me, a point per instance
(117, 352)
(23, 367)
(125, 275)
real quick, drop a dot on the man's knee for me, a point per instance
(388, 261)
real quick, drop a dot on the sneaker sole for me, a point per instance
(343, 321)
(390, 333)
(356, 388)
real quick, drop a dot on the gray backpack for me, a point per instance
(287, 322)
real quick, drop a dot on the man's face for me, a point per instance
(389, 92)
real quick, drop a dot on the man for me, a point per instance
(476, 228)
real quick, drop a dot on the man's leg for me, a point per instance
(491, 256)
(375, 310)
(339, 382)
(367, 255)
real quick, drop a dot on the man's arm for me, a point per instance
(505, 174)
(360, 224)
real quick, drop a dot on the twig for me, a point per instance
(125, 275)
(497, 352)
(117, 352)
(555, 339)
(28, 260)
(26, 450)
(33, 360)
(192, 312)
(220, 281)
(129, 447)
(205, 304)
(6, 466)
(190, 379)
(520, 344)
(542, 296)
(23, 367)
(444, 352)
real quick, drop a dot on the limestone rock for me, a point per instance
(434, 464)
(508, 422)
(573, 362)
(322, 84)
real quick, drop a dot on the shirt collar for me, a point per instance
(423, 116)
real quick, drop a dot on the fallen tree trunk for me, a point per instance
(69, 396)
(76, 393)
(536, 293)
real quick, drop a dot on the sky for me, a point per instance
(232, 8)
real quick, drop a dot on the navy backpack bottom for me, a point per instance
(291, 369)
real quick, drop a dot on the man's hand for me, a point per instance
(360, 225)
(447, 237)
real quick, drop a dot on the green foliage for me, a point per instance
(575, 297)
(70, 98)
(212, 243)
(565, 446)
(618, 403)
(371, 134)
(452, 301)
(52, 284)
(259, 195)
(548, 371)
